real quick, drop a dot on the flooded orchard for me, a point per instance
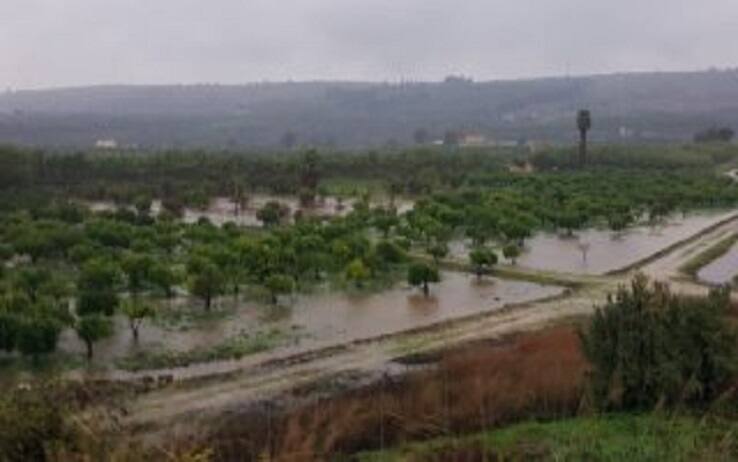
(319, 320)
(341, 317)
(222, 210)
(598, 252)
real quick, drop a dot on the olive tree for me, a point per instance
(137, 312)
(357, 272)
(206, 280)
(483, 260)
(91, 329)
(97, 287)
(279, 284)
(511, 252)
(421, 275)
(272, 214)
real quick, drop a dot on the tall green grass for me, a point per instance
(616, 438)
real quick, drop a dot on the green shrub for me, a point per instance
(30, 424)
(648, 346)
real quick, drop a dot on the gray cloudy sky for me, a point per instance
(78, 42)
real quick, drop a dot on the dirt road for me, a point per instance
(180, 407)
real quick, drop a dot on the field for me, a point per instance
(280, 311)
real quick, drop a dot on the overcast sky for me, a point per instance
(47, 43)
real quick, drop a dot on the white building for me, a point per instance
(106, 144)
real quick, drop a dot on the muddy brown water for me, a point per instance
(609, 251)
(344, 317)
(222, 210)
(318, 321)
(722, 270)
(599, 251)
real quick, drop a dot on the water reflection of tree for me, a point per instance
(421, 303)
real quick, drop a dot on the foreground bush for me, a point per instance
(648, 346)
(31, 424)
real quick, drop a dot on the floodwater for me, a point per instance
(222, 210)
(722, 270)
(153, 336)
(321, 320)
(598, 252)
(332, 317)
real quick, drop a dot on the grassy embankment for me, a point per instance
(704, 258)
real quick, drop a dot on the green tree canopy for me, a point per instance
(91, 329)
(483, 259)
(421, 275)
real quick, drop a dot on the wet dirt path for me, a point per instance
(185, 404)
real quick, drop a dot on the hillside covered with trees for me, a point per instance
(626, 108)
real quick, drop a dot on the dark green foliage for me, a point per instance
(31, 327)
(31, 280)
(357, 272)
(511, 252)
(37, 335)
(137, 268)
(103, 301)
(6, 252)
(279, 284)
(93, 328)
(97, 286)
(206, 279)
(438, 251)
(483, 260)
(649, 346)
(421, 275)
(637, 158)
(272, 214)
(384, 220)
(164, 277)
(8, 330)
(389, 252)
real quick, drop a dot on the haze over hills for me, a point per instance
(626, 107)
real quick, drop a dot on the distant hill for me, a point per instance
(625, 107)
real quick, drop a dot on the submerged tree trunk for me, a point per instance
(88, 344)
(426, 289)
(134, 330)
